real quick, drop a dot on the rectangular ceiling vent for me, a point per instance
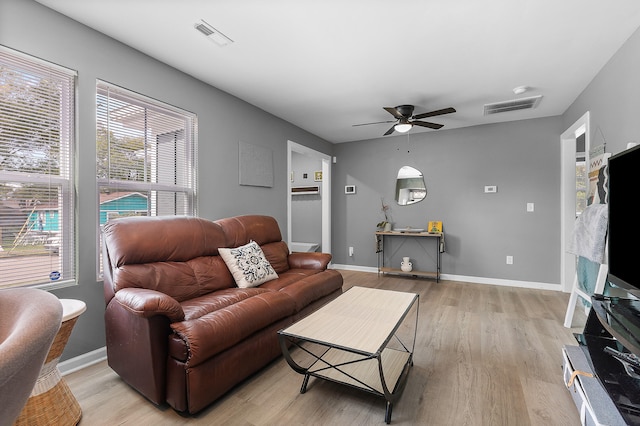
(212, 34)
(205, 29)
(513, 105)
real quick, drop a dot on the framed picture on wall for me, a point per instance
(317, 176)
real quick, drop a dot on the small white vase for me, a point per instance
(387, 227)
(406, 265)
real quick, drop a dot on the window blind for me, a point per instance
(146, 156)
(37, 113)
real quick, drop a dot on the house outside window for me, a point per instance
(146, 157)
(37, 121)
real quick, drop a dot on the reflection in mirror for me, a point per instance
(410, 187)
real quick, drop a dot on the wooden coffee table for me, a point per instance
(360, 339)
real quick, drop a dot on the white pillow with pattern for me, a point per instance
(248, 265)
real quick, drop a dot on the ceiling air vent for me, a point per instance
(212, 34)
(513, 105)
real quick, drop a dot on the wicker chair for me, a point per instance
(29, 321)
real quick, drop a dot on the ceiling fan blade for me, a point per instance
(377, 122)
(393, 111)
(427, 124)
(391, 130)
(434, 113)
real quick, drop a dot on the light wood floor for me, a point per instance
(485, 355)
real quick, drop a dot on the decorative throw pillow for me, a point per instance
(248, 265)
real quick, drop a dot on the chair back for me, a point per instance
(29, 321)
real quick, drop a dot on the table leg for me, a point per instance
(305, 381)
(387, 415)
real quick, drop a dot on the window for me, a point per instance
(37, 113)
(146, 156)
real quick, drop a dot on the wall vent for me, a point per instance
(513, 105)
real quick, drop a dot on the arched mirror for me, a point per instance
(410, 187)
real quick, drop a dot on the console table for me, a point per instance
(380, 250)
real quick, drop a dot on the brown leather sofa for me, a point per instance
(178, 329)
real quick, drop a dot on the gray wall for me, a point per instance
(613, 98)
(223, 121)
(522, 158)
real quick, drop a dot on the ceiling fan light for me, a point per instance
(403, 127)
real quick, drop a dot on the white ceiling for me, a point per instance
(327, 65)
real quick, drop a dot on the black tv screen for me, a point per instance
(624, 220)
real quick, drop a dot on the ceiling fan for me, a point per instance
(405, 119)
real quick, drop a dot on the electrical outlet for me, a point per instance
(529, 207)
(490, 189)
(509, 260)
(350, 251)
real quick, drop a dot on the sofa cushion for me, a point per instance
(240, 230)
(287, 278)
(180, 280)
(278, 255)
(144, 239)
(248, 265)
(214, 332)
(199, 306)
(307, 290)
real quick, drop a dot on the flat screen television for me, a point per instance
(624, 220)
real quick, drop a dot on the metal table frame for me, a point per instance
(382, 372)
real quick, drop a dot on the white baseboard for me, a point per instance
(467, 279)
(82, 361)
(502, 282)
(354, 268)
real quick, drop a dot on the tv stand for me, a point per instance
(611, 347)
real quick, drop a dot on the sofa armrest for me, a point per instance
(309, 260)
(147, 303)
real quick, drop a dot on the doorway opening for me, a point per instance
(575, 145)
(294, 148)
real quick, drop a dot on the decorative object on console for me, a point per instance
(385, 224)
(435, 226)
(406, 264)
(409, 229)
(248, 265)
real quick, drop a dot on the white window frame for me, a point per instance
(63, 270)
(150, 185)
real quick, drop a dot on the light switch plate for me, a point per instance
(490, 188)
(529, 207)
